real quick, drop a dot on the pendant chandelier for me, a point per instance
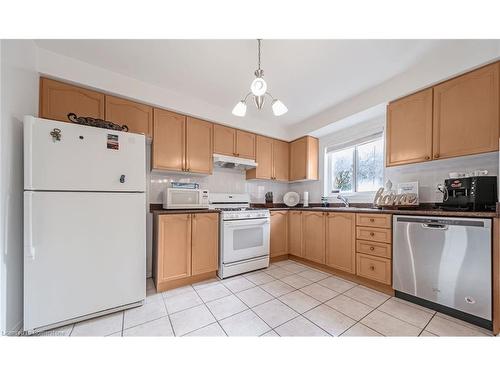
(258, 90)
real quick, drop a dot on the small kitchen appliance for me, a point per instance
(182, 198)
(477, 193)
(244, 234)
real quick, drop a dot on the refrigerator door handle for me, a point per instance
(29, 249)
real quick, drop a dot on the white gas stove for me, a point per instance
(244, 234)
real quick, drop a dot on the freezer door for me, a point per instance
(83, 253)
(63, 156)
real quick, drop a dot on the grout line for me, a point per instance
(210, 311)
(423, 329)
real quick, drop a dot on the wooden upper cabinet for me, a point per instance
(205, 243)
(224, 140)
(466, 114)
(199, 155)
(169, 133)
(295, 233)
(57, 99)
(279, 233)
(313, 232)
(341, 241)
(304, 155)
(173, 247)
(245, 144)
(409, 129)
(138, 117)
(264, 159)
(281, 155)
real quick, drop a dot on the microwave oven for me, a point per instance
(178, 198)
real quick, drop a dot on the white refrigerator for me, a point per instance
(84, 222)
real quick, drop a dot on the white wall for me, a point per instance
(19, 97)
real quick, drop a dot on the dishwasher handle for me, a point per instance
(435, 226)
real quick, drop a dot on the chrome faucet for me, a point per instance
(344, 200)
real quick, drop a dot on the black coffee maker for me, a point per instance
(477, 193)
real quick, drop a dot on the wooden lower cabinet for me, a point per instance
(341, 241)
(374, 268)
(173, 247)
(186, 246)
(279, 233)
(204, 243)
(314, 236)
(295, 233)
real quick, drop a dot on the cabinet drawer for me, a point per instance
(373, 234)
(374, 220)
(374, 268)
(374, 248)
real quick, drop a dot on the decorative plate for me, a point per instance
(291, 199)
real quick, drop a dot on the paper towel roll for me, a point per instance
(305, 199)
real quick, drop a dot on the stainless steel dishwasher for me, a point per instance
(444, 261)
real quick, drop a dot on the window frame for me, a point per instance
(344, 146)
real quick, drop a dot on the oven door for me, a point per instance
(244, 239)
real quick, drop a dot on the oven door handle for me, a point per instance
(246, 223)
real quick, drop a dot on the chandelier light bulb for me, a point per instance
(279, 108)
(258, 86)
(240, 109)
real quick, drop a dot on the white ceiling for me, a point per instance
(309, 76)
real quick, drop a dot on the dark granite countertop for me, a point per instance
(424, 210)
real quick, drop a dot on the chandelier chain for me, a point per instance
(259, 41)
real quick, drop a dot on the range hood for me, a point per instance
(232, 162)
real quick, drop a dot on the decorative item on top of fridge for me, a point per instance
(405, 195)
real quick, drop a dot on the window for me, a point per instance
(357, 167)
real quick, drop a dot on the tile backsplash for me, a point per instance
(221, 181)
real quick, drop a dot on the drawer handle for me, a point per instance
(372, 248)
(372, 220)
(372, 234)
(372, 268)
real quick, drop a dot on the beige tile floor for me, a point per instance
(287, 299)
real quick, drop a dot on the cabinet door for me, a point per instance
(466, 114)
(409, 129)
(199, 155)
(173, 247)
(279, 233)
(224, 140)
(264, 158)
(245, 144)
(205, 243)
(313, 231)
(304, 159)
(295, 233)
(57, 99)
(341, 241)
(138, 117)
(169, 142)
(281, 157)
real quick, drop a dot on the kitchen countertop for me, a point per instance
(414, 211)
(424, 211)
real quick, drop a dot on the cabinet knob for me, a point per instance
(372, 268)
(372, 248)
(372, 220)
(427, 157)
(372, 234)
(436, 156)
